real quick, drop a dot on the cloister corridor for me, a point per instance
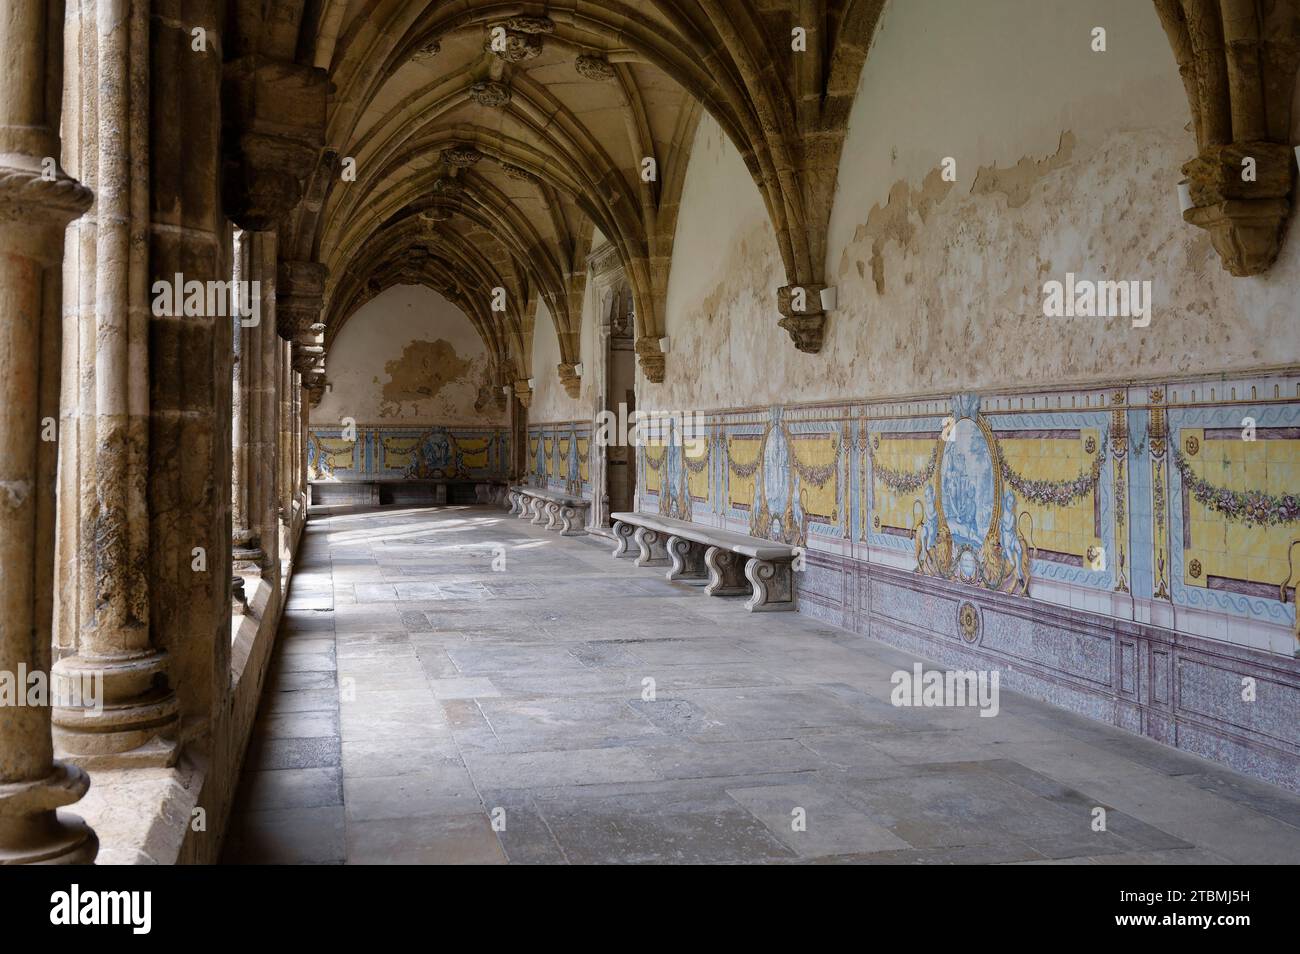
(645, 432)
(415, 691)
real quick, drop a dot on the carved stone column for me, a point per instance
(262, 372)
(284, 419)
(247, 556)
(37, 200)
(189, 450)
(105, 632)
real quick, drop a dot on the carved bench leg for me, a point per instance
(651, 544)
(539, 512)
(568, 515)
(687, 558)
(726, 573)
(773, 586)
(623, 538)
(514, 503)
(525, 507)
(552, 515)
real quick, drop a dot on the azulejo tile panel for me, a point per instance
(1169, 501)
(407, 453)
(559, 457)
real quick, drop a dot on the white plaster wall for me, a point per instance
(551, 403)
(1101, 136)
(388, 342)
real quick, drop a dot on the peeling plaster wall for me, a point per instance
(1067, 160)
(551, 403)
(409, 358)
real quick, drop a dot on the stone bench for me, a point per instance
(383, 491)
(550, 508)
(728, 559)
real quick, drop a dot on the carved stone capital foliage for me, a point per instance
(1238, 61)
(490, 93)
(570, 379)
(805, 325)
(461, 156)
(651, 358)
(523, 392)
(522, 37)
(514, 172)
(299, 297)
(273, 116)
(543, 25)
(594, 68)
(306, 353)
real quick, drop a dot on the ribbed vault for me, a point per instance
(491, 140)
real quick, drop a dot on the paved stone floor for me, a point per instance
(469, 694)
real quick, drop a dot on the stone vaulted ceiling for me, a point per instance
(491, 140)
(477, 146)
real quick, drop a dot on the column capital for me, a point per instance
(273, 132)
(651, 357)
(29, 195)
(299, 297)
(802, 314)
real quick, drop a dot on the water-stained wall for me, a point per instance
(1066, 160)
(410, 396)
(409, 358)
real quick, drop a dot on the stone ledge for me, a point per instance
(146, 816)
(142, 816)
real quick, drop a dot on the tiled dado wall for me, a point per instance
(559, 457)
(1130, 553)
(381, 452)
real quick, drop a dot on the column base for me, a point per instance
(115, 713)
(31, 830)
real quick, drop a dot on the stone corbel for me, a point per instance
(299, 297)
(1238, 62)
(523, 392)
(274, 129)
(651, 357)
(570, 379)
(1245, 219)
(803, 317)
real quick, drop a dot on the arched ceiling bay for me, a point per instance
(489, 139)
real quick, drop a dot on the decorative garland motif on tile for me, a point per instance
(1252, 507)
(817, 476)
(744, 471)
(1054, 493)
(901, 482)
(701, 465)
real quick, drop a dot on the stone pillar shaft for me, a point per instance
(261, 358)
(189, 453)
(106, 635)
(37, 200)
